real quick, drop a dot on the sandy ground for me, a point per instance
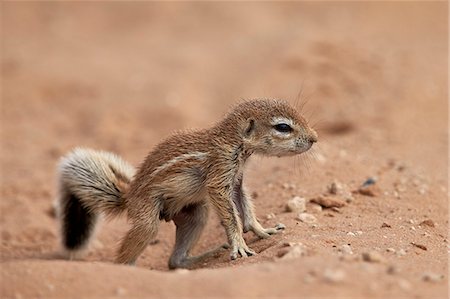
(122, 76)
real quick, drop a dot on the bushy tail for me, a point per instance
(90, 183)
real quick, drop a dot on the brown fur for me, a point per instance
(190, 171)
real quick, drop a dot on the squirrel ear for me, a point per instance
(250, 127)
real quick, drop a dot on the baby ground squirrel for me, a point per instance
(178, 181)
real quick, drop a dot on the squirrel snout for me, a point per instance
(313, 137)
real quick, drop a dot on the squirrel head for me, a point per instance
(273, 128)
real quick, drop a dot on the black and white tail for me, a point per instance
(90, 183)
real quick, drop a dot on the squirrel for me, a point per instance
(179, 180)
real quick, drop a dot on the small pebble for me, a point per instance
(315, 207)
(369, 190)
(293, 252)
(385, 225)
(423, 247)
(335, 187)
(432, 277)
(369, 181)
(270, 216)
(427, 222)
(351, 234)
(390, 250)
(290, 244)
(348, 198)
(401, 252)
(335, 209)
(346, 249)
(328, 202)
(296, 204)
(372, 257)
(307, 218)
(333, 275)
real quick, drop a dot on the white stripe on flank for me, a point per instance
(183, 157)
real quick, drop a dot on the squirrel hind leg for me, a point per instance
(77, 225)
(190, 223)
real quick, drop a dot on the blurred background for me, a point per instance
(120, 76)
(123, 75)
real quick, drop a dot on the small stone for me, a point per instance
(420, 246)
(369, 181)
(346, 249)
(351, 234)
(315, 207)
(348, 197)
(401, 252)
(385, 225)
(270, 216)
(337, 210)
(328, 202)
(358, 232)
(427, 222)
(432, 277)
(390, 250)
(293, 252)
(296, 204)
(335, 187)
(333, 275)
(290, 244)
(307, 218)
(369, 190)
(372, 257)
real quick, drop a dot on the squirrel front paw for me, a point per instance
(240, 248)
(264, 233)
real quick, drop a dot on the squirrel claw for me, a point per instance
(243, 251)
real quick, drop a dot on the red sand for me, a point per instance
(120, 76)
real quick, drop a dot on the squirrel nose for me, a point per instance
(313, 137)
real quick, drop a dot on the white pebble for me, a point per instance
(307, 218)
(346, 249)
(296, 204)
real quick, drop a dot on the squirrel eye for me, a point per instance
(283, 128)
